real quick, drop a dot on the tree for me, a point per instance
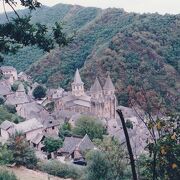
(2, 100)
(4, 175)
(39, 92)
(19, 31)
(98, 166)
(52, 145)
(132, 161)
(115, 155)
(10, 108)
(91, 126)
(65, 130)
(6, 156)
(23, 154)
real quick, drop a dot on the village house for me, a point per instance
(19, 97)
(5, 88)
(74, 148)
(29, 128)
(10, 73)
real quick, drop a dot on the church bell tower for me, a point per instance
(77, 85)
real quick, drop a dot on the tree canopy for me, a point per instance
(90, 126)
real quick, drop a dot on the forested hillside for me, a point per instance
(138, 51)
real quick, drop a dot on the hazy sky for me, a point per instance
(160, 6)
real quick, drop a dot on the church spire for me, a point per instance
(96, 87)
(108, 84)
(77, 78)
(77, 85)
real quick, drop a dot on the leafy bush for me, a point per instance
(52, 145)
(56, 168)
(2, 100)
(10, 108)
(23, 154)
(39, 92)
(91, 126)
(6, 175)
(6, 156)
(65, 130)
(14, 87)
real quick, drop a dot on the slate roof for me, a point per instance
(6, 125)
(49, 121)
(96, 87)
(77, 78)
(29, 125)
(38, 138)
(7, 68)
(15, 99)
(64, 114)
(108, 84)
(5, 88)
(21, 88)
(71, 143)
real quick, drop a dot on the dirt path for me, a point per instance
(23, 173)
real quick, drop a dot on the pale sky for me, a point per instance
(140, 6)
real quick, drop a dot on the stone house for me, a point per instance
(29, 128)
(10, 73)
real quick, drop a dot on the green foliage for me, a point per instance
(14, 87)
(136, 49)
(6, 175)
(6, 115)
(65, 130)
(6, 155)
(98, 166)
(2, 100)
(23, 154)
(39, 92)
(129, 124)
(59, 169)
(10, 108)
(114, 155)
(52, 145)
(90, 126)
(165, 149)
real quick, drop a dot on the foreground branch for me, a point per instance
(133, 167)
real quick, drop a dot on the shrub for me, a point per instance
(6, 156)
(23, 154)
(2, 100)
(52, 145)
(39, 92)
(91, 126)
(56, 168)
(6, 175)
(11, 108)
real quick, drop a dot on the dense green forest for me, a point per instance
(139, 50)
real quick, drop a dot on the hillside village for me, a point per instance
(40, 122)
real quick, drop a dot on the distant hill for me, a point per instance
(134, 48)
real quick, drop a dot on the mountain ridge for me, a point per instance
(110, 40)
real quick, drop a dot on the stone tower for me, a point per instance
(109, 99)
(77, 85)
(97, 104)
(20, 91)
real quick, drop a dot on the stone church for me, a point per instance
(99, 101)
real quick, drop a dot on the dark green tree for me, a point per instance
(20, 31)
(91, 126)
(23, 154)
(52, 145)
(6, 175)
(39, 92)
